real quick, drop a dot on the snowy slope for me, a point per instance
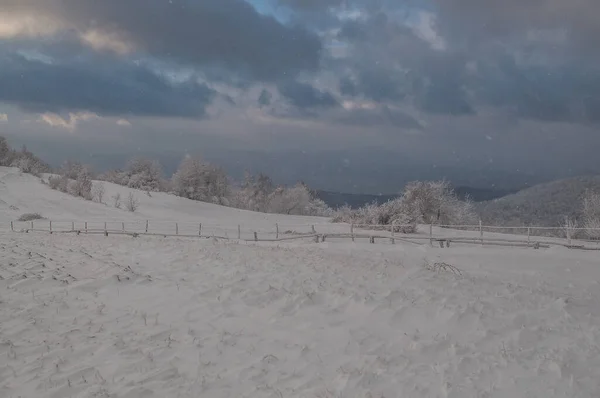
(23, 193)
(117, 316)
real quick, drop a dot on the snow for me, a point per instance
(118, 316)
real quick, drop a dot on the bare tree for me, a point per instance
(117, 200)
(131, 204)
(5, 152)
(98, 192)
(82, 185)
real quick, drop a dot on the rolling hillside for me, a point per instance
(541, 205)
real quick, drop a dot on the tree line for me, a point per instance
(421, 202)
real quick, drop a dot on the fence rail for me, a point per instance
(442, 235)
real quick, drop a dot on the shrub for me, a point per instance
(117, 200)
(30, 217)
(98, 192)
(60, 183)
(131, 204)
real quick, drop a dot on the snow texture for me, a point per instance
(117, 316)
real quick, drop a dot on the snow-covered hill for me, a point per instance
(116, 316)
(23, 193)
(544, 205)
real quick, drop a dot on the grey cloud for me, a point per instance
(550, 94)
(348, 87)
(392, 64)
(208, 33)
(517, 56)
(311, 4)
(105, 88)
(305, 96)
(383, 116)
(265, 97)
(574, 24)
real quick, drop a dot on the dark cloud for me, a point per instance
(265, 97)
(311, 4)
(348, 87)
(382, 116)
(209, 33)
(392, 64)
(380, 84)
(535, 59)
(520, 23)
(549, 94)
(105, 88)
(305, 96)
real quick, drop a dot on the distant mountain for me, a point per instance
(541, 205)
(482, 194)
(354, 200)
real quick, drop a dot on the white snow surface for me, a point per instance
(117, 316)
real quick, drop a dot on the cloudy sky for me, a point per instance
(354, 95)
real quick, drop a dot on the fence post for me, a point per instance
(32, 225)
(431, 234)
(50, 226)
(352, 231)
(393, 233)
(528, 236)
(146, 226)
(239, 232)
(105, 230)
(176, 228)
(12, 227)
(481, 231)
(569, 234)
(123, 226)
(86, 228)
(255, 236)
(313, 229)
(276, 231)
(200, 229)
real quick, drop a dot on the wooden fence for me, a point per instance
(436, 235)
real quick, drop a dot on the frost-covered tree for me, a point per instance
(145, 174)
(5, 152)
(296, 200)
(198, 180)
(434, 202)
(216, 185)
(82, 185)
(188, 181)
(72, 169)
(591, 213)
(430, 202)
(292, 200)
(140, 173)
(27, 162)
(254, 193)
(98, 192)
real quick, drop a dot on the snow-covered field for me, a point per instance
(116, 316)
